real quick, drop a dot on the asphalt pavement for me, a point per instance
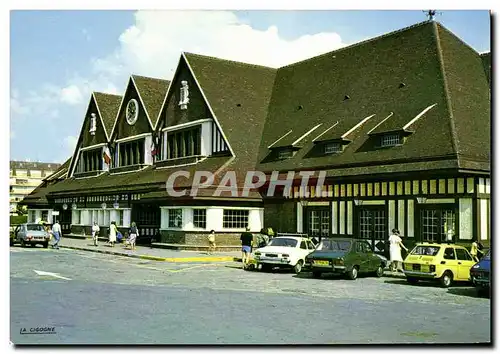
(93, 298)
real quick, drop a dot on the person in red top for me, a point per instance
(246, 247)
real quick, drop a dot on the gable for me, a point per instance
(99, 137)
(171, 112)
(152, 92)
(122, 129)
(108, 106)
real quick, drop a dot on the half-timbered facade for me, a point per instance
(399, 125)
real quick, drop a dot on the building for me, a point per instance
(24, 177)
(399, 125)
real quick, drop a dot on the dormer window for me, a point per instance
(184, 95)
(93, 124)
(332, 148)
(392, 139)
(285, 154)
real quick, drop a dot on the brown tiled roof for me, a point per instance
(152, 92)
(108, 106)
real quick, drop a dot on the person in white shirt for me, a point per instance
(95, 232)
(56, 231)
(396, 243)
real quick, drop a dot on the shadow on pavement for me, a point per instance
(469, 292)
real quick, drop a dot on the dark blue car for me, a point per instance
(480, 275)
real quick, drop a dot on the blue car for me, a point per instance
(480, 275)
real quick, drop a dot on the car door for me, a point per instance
(361, 257)
(450, 261)
(303, 249)
(373, 260)
(465, 263)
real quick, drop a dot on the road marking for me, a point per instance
(56, 275)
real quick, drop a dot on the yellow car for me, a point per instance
(444, 262)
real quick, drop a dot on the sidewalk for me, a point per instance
(156, 254)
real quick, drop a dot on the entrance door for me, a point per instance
(148, 219)
(317, 222)
(372, 226)
(437, 224)
(64, 219)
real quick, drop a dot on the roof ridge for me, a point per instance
(361, 43)
(446, 90)
(230, 61)
(107, 94)
(457, 37)
(148, 77)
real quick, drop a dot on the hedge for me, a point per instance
(18, 219)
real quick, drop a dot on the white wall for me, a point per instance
(214, 219)
(148, 159)
(206, 138)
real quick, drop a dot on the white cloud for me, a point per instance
(71, 95)
(160, 37)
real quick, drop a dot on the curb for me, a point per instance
(154, 258)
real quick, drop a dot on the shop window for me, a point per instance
(175, 218)
(318, 222)
(235, 219)
(200, 218)
(437, 224)
(372, 223)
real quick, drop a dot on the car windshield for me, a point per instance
(35, 227)
(487, 255)
(333, 245)
(283, 242)
(425, 251)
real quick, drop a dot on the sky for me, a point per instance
(57, 58)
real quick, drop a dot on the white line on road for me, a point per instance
(56, 275)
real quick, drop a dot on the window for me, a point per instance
(425, 251)
(318, 222)
(131, 153)
(76, 217)
(310, 245)
(372, 223)
(449, 253)
(328, 244)
(218, 142)
(45, 215)
(437, 225)
(31, 216)
(285, 154)
(21, 181)
(390, 140)
(235, 219)
(200, 218)
(121, 215)
(283, 242)
(175, 218)
(184, 143)
(90, 160)
(332, 148)
(463, 255)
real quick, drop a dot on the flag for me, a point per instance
(154, 144)
(106, 156)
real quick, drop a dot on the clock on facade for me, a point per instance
(132, 111)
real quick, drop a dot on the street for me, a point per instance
(93, 298)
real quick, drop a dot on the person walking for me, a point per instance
(56, 232)
(246, 246)
(95, 232)
(211, 242)
(395, 245)
(133, 233)
(475, 250)
(112, 233)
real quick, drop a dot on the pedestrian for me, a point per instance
(133, 233)
(396, 243)
(56, 231)
(246, 246)
(112, 233)
(211, 242)
(475, 250)
(95, 232)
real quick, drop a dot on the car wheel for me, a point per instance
(298, 267)
(45, 245)
(412, 280)
(446, 279)
(23, 244)
(380, 271)
(353, 273)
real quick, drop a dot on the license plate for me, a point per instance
(321, 263)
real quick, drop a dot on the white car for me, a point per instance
(289, 251)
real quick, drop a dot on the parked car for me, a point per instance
(480, 275)
(346, 256)
(445, 263)
(284, 252)
(31, 234)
